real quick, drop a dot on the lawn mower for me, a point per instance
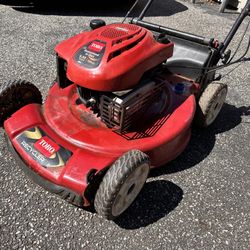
(123, 102)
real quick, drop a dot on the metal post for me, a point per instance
(223, 6)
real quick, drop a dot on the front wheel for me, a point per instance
(15, 95)
(121, 184)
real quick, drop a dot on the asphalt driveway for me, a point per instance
(199, 201)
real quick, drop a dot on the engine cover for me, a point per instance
(112, 57)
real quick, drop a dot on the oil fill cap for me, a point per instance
(96, 23)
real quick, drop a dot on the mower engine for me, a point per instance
(116, 70)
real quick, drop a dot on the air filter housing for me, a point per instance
(112, 57)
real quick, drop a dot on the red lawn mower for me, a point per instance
(124, 100)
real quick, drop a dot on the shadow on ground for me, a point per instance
(156, 200)
(202, 140)
(92, 8)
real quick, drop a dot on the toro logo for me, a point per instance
(96, 46)
(46, 146)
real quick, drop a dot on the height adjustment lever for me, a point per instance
(225, 56)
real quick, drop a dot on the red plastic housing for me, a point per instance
(73, 128)
(113, 57)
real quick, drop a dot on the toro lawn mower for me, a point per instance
(124, 100)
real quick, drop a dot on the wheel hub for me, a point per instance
(216, 106)
(130, 189)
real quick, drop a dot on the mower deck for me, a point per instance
(63, 141)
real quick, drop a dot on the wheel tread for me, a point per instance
(206, 101)
(7, 105)
(114, 179)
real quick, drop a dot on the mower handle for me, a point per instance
(202, 40)
(145, 9)
(173, 32)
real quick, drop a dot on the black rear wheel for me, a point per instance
(15, 95)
